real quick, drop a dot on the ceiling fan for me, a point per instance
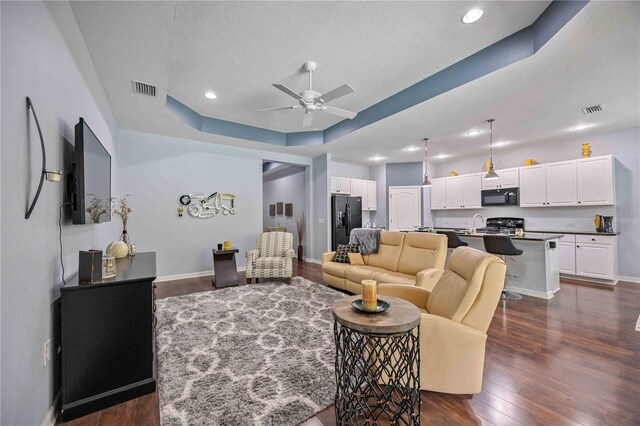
(312, 101)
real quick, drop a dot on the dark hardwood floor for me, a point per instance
(574, 359)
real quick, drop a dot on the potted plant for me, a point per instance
(300, 224)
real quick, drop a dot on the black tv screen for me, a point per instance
(91, 187)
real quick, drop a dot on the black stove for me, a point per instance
(502, 225)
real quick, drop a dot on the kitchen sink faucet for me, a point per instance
(473, 225)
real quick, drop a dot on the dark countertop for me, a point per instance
(528, 236)
(140, 267)
(547, 232)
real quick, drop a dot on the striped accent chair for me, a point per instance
(272, 258)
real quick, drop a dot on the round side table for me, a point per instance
(377, 364)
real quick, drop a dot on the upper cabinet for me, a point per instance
(587, 181)
(509, 178)
(457, 192)
(438, 193)
(595, 181)
(367, 189)
(340, 185)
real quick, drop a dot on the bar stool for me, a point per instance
(453, 240)
(502, 246)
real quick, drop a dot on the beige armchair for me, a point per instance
(455, 317)
(272, 258)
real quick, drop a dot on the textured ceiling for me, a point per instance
(237, 49)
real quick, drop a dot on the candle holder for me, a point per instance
(108, 266)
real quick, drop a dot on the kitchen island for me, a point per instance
(536, 272)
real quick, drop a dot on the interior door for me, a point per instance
(404, 208)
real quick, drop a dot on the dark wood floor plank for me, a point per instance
(574, 359)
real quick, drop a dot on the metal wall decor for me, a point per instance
(279, 208)
(272, 209)
(203, 206)
(288, 209)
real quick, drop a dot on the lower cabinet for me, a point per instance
(591, 256)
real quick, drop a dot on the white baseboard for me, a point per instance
(590, 280)
(533, 293)
(190, 275)
(52, 415)
(635, 280)
(310, 260)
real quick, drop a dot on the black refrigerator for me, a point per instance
(346, 214)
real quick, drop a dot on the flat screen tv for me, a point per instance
(91, 180)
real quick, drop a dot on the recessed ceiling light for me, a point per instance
(377, 158)
(441, 156)
(472, 16)
(411, 148)
(473, 133)
(581, 127)
(210, 95)
(501, 143)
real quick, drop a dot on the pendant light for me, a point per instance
(491, 174)
(425, 180)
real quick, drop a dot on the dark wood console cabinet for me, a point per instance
(108, 339)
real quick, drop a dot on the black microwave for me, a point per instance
(500, 197)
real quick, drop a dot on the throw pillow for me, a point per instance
(355, 259)
(343, 250)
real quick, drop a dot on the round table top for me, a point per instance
(401, 316)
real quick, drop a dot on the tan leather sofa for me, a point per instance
(403, 258)
(455, 317)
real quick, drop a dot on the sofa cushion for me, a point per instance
(396, 278)
(336, 269)
(388, 251)
(269, 262)
(447, 295)
(359, 273)
(343, 250)
(355, 259)
(421, 251)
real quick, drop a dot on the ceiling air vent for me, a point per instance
(593, 109)
(143, 88)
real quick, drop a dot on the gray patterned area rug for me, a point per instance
(259, 354)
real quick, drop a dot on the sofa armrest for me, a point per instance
(428, 278)
(416, 295)
(328, 256)
(252, 255)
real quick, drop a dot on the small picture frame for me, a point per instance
(288, 209)
(279, 208)
(272, 209)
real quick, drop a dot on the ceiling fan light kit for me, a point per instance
(312, 101)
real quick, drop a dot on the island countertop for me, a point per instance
(527, 236)
(572, 232)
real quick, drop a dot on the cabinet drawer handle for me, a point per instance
(577, 246)
(593, 239)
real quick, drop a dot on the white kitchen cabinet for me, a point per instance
(372, 196)
(438, 194)
(471, 189)
(567, 257)
(453, 187)
(533, 186)
(561, 183)
(359, 189)
(595, 177)
(340, 185)
(594, 260)
(508, 178)
(404, 208)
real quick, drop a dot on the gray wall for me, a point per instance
(43, 57)
(623, 144)
(347, 170)
(288, 186)
(156, 170)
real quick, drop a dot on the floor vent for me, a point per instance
(593, 109)
(143, 88)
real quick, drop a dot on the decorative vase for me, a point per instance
(300, 252)
(487, 165)
(118, 249)
(586, 150)
(125, 238)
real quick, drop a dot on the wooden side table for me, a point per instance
(377, 364)
(224, 268)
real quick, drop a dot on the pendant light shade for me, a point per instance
(491, 174)
(425, 179)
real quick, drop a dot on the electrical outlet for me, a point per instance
(46, 352)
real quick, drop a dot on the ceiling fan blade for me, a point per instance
(288, 91)
(339, 112)
(307, 120)
(343, 90)
(281, 108)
